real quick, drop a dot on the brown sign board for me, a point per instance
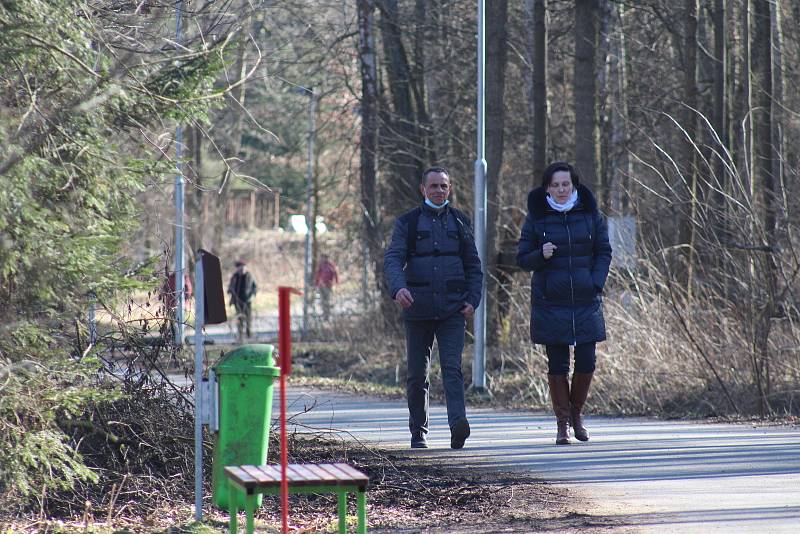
(214, 296)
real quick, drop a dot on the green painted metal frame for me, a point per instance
(341, 491)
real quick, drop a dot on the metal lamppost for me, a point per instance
(309, 200)
(479, 363)
(180, 260)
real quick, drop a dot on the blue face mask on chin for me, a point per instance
(434, 206)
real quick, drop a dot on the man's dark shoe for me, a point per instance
(418, 441)
(459, 433)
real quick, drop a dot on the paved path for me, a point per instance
(659, 476)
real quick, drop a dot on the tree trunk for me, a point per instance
(496, 54)
(762, 115)
(745, 122)
(777, 102)
(625, 163)
(585, 103)
(230, 145)
(689, 224)
(422, 34)
(603, 74)
(536, 11)
(373, 235)
(762, 171)
(618, 162)
(196, 200)
(401, 134)
(720, 115)
(436, 53)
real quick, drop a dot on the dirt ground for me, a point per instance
(406, 495)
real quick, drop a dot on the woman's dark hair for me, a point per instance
(557, 166)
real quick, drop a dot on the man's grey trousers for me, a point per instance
(449, 333)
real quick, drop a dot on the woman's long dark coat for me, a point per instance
(566, 290)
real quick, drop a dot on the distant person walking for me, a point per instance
(324, 279)
(242, 289)
(168, 293)
(565, 243)
(434, 273)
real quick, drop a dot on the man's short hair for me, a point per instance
(239, 263)
(440, 170)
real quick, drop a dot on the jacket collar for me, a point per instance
(538, 206)
(433, 211)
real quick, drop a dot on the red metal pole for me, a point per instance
(285, 353)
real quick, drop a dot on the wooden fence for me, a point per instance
(248, 208)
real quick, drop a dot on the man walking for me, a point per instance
(434, 273)
(242, 288)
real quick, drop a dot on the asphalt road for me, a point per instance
(657, 476)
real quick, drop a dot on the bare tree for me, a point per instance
(587, 144)
(689, 175)
(537, 96)
(496, 55)
(720, 116)
(400, 126)
(370, 219)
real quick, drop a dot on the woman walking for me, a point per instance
(565, 243)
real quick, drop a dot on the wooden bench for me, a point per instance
(303, 478)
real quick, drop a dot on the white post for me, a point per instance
(307, 296)
(199, 310)
(180, 263)
(479, 363)
(92, 318)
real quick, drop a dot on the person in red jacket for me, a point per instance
(168, 296)
(326, 276)
(168, 291)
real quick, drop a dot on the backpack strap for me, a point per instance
(411, 220)
(463, 228)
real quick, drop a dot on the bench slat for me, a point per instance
(335, 471)
(353, 473)
(260, 477)
(273, 476)
(295, 477)
(302, 470)
(241, 477)
(273, 471)
(340, 474)
(321, 474)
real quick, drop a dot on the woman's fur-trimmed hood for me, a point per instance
(538, 206)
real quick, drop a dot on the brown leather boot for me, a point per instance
(578, 394)
(559, 395)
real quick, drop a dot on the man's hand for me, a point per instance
(468, 311)
(404, 298)
(548, 249)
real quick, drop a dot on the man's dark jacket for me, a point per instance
(566, 303)
(443, 273)
(242, 288)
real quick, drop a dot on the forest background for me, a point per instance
(680, 116)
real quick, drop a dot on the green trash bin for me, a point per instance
(245, 377)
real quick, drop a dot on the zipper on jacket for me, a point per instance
(571, 286)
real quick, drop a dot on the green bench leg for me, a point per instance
(342, 512)
(250, 508)
(362, 511)
(233, 526)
